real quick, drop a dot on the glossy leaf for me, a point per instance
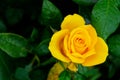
(13, 44)
(78, 76)
(65, 75)
(88, 73)
(82, 69)
(51, 15)
(5, 69)
(114, 45)
(105, 17)
(115, 61)
(111, 71)
(93, 74)
(42, 48)
(117, 3)
(46, 34)
(23, 73)
(34, 35)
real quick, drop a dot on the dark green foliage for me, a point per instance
(42, 48)
(85, 2)
(6, 69)
(13, 15)
(105, 18)
(114, 45)
(65, 75)
(26, 29)
(14, 45)
(2, 26)
(50, 15)
(23, 73)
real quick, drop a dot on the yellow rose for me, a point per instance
(78, 43)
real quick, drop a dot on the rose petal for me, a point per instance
(72, 21)
(100, 56)
(85, 55)
(77, 55)
(92, 34)
(75, 59)
(68, 53)
(82, 33)
(55, 45)
(89, 53)
(66, 46)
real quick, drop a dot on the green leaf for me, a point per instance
(117, 3)
(88, 73)
(50, 15)
(34, 35)
(48, 62)
(13, 15)
(115, 61)
(5, 67)
(105, 17)
(65, 75)
(13, 44)
(82, 69)
(42, 48)
(2, 26)
(46, 34)
(78, 76)
(85, 2)
(23, 73)
(111, 71)
(93, 74)
(114, 45)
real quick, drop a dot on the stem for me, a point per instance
(35, 58)
(49, 61)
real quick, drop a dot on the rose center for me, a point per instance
(79, 45)
(80, 41)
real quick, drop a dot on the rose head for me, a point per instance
(78, 43)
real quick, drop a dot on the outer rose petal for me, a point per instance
(100, 56)
(55, 47)
(72, 21)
